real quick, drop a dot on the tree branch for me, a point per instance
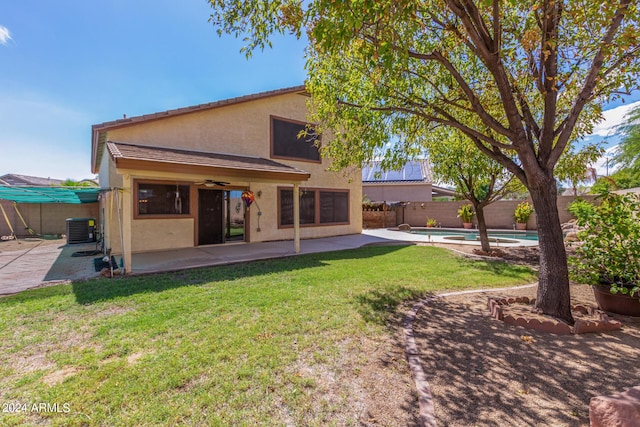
(486, 118)
(589, 86)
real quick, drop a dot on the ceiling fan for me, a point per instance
(212, 183)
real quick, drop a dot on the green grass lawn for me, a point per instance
(245, 344)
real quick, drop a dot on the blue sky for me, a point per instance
(67, 65)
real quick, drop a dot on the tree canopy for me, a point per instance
(521, 79)
(628, 156)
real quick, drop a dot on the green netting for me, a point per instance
(71, 195)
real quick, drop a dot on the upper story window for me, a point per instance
(286, 143)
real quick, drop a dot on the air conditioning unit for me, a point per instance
(81, 230)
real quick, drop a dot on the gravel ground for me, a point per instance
(485, 373)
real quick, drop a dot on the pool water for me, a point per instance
(474, 235)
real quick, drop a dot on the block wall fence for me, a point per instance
(498, 215)
(45, 219)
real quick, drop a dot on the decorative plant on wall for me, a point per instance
(466, 214)
(522, 213)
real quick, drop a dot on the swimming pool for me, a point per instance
(472, 235)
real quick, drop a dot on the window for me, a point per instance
(307, 207)
(317, 207)
(163, 199)
(286, 144)
(334, 207)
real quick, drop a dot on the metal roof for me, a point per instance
(412, 171)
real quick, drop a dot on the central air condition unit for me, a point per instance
(81, 230)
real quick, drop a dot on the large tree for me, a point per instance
(520, 78)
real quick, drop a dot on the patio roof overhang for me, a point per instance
(138, 157)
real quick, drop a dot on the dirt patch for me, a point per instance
(35, 362)
(133, 358)
(58, 376)
(368, 385)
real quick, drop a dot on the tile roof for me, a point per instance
(185, 110)
(18, 180)
(229, 162)
(100, 130)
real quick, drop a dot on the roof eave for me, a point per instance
(226, 171)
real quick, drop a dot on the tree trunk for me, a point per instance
(553, 296)
(482, 228)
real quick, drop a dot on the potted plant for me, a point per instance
(431, 223)
(608, 254)
(521, 215)
(466, 213)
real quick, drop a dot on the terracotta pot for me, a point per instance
(521, 225)
(616, 303)
(467, 224)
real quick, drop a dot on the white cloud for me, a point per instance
(5, 35)
(612, 119)
(604, 165)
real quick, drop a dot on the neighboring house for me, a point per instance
(180, 176)
(411, 183)
(16, 180)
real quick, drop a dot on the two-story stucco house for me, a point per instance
(186, 177)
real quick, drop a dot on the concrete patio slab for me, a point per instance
(42, 265)
(46, 264)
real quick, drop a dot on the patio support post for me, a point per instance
(296, 217)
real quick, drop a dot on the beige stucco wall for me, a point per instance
(44, 218)
(397, 192)
(242, 129)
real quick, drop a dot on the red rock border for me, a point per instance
(603, 324)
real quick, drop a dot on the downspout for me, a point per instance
(124, 266)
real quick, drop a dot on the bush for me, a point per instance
(466, 213)
(523, 212)
(609, 252)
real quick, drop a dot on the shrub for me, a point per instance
(523, 212)
(466, 213)
(609, 252)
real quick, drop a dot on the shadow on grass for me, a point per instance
(498, 267)
(88, 292)
(380, 306)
